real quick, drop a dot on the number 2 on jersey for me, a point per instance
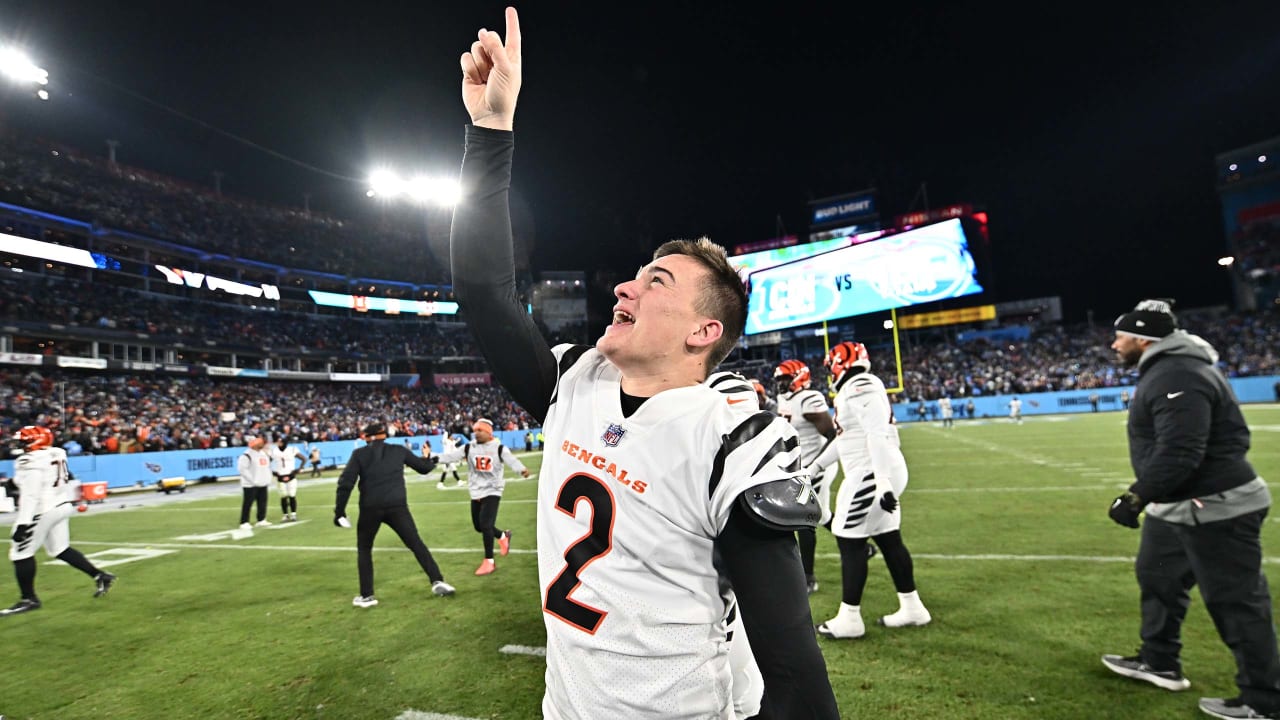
(595, 544)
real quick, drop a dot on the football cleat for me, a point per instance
(364, 601)
(504, 543)
(442, 588)
(23, 605)
(846, 625)
(486, 567)
(104, 581)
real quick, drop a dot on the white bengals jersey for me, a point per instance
(46, 499)
(748, 683)
(447, 445)
(282, 461)
(628, 512)
(794, 406)
(485, 476)
(737, 389)
(871, 455)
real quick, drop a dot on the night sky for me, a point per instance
(1088, 134)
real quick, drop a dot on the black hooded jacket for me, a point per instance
(1187, 436)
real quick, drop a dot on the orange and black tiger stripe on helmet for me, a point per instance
(35, 437)
(795, 374)
(845, 356)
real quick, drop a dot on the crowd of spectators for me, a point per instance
(1053, 358)
(109, 413)
(112, 412)
(76, 304)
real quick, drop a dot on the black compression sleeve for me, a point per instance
(483, 267)
(763, 566)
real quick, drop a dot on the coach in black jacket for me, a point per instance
(378, 468)
(1205, 507)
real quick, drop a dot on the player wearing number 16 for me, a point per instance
(648, 471)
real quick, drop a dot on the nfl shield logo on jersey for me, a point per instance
(613, 435)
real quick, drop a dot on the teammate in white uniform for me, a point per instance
(806, 409)
(1015, 410)
(448, 443)
(46, 500)
(285, 469)
(867, 506)
(485, 458)
(948, 413)
(647, 472)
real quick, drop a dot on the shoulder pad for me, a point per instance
(789, 504)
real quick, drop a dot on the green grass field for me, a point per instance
(1028, 581)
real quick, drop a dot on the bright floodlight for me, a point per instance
(19, 68)
(1227, 261)
(888, 324)
(420, 189)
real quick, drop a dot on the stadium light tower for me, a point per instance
(15, 65)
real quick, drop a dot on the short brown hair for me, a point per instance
(723, 296)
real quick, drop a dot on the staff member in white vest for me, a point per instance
(254, 467)
(485, 458)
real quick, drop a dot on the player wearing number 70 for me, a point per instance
(648, 472)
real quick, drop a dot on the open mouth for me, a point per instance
(623, 318)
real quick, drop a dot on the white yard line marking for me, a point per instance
(928, 556)
(290, 548)
(419, 715)
(523, 650)
(1108, 482)
(103, 559)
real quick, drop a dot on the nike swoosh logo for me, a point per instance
(1178, 394)
(733, 401)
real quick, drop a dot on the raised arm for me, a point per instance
(480, 242)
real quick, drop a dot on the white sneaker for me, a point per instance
(910, 612)
(847, 624)
(263, 523)
(440, 486)
(364, 601)
(442, 588)
(246, 526)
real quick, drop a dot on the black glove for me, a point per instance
(22, 533)
(1125, 509)
(888, 502)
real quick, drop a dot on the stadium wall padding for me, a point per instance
(122, 470)
(1257, 389)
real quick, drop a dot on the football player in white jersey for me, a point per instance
(868, 504)
(806, 409)
(284, 467)
(485, 458)
(47, 497)
(649, 475)
(448, 443)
